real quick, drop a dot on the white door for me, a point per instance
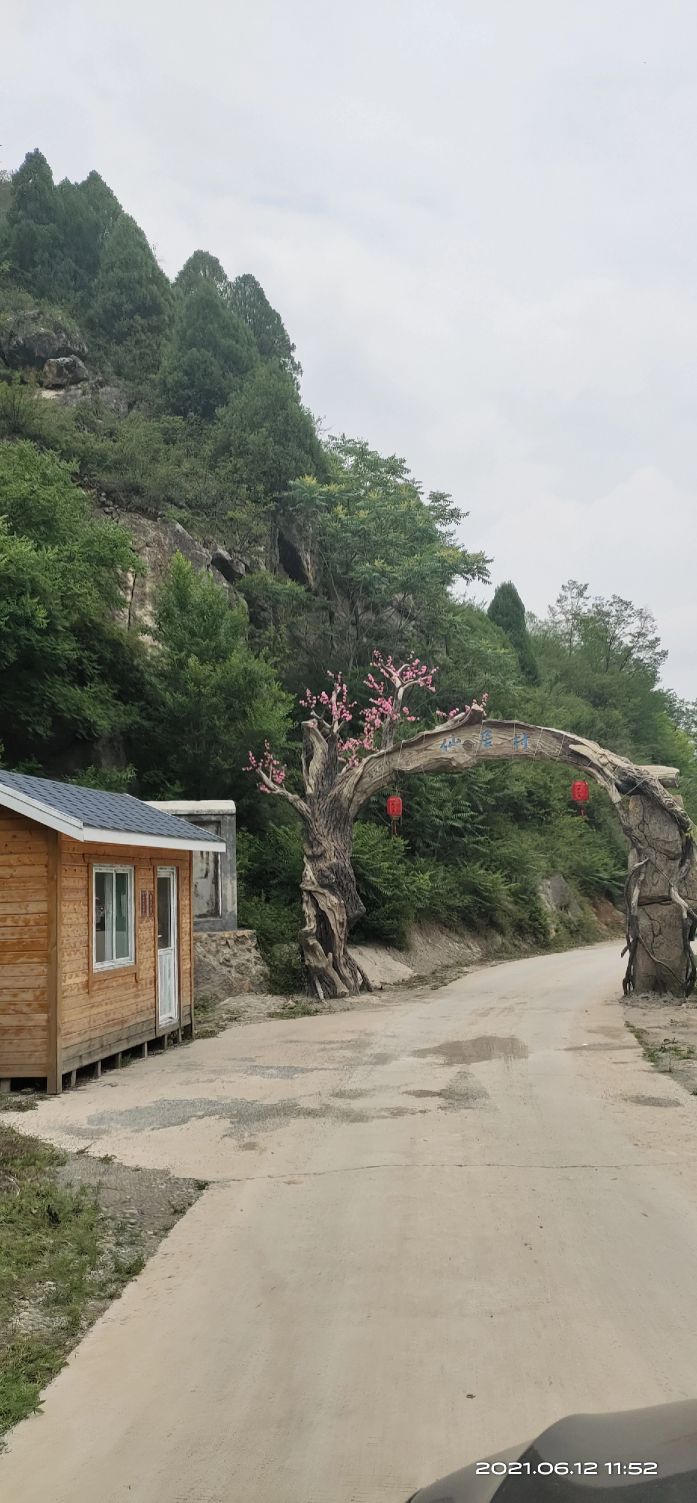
(167, 979)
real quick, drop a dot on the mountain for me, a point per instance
(182, 555)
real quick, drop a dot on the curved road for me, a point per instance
(434, 1225)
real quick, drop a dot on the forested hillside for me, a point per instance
(121, 391)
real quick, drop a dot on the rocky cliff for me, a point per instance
(156, 540)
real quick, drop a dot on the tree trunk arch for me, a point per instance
(661, 888)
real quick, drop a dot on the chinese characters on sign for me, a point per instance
(519, 741)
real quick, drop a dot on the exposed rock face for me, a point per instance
(229, 963)
(293, 551)
(30, 336)
(108, 398)
(157, 540)
(231, 568)
(65, 370)
(556, 897)
(380, 967)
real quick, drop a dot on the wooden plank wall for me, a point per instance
(104, 1011)
(24, 939)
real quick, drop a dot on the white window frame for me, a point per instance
(125, 960)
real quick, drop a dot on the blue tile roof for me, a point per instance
(103, 811)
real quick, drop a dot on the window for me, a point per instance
(113, 916)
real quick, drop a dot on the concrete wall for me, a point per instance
(215, 873)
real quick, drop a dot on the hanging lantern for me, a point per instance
(394, 806)
(580, 792)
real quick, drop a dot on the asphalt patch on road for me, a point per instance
(244, 1118)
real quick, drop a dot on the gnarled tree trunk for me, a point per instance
(331, 905)
(660, 896)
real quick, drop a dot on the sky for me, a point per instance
(477, 219)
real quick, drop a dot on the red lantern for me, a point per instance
(579, 792)
(394, 806)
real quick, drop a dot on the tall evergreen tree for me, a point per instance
(265, 325)
(507, 611)
(87, 212)
(33, 235)
(209, 352)
(203, 267)
(132, 301)
(264, 436)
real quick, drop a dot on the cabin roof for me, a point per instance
(94, 815)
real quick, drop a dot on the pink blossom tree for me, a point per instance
(349, 754)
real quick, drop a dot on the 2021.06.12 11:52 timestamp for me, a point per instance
(567, 1468)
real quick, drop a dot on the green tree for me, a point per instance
(507, 611)
(209, 698)
(266, 326)
(384, 559)
(264, 438)
(564, 618)
(87, 212)
(33, 239)
(132, 302)
(65, 668)
(599, 661)
(209, 353)
(203, 267)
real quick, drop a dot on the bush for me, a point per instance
(393, 886)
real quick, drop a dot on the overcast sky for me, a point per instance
(477, 218)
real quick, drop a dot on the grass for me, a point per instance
(15, 1101)
(59, 1259)
(662, 1055)
(302, 1007)
(212, 1016)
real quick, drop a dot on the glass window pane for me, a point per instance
(103, 916)
(122, 916)
(164, 913)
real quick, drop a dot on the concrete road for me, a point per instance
(433, 1227)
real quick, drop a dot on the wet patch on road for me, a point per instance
(476, 1051)
(462, 1093)
(347, 1115)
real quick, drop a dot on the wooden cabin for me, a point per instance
(96, 926)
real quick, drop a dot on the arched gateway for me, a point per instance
(661, 889)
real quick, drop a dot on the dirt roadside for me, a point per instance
(666, 1029)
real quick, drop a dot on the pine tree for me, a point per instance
(507, 611)
(87, 213)
(203, 267)
(265, 325)
(209, 353)
(132, 301)
(33, 236)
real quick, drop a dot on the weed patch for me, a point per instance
(72, 1235)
